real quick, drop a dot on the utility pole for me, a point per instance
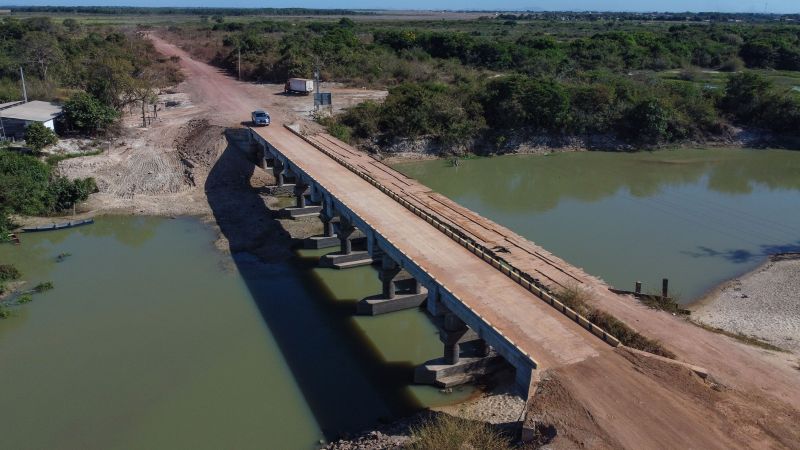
(239, 65)
(24, 91)
(317, 98)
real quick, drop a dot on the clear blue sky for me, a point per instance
(775, 6)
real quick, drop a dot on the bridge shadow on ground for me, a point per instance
(342, 375)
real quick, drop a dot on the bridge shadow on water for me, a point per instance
(343, 377)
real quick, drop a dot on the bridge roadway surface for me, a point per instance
(635, 408)
(639, 412)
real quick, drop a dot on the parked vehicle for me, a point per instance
(299, 86)
(260, 118)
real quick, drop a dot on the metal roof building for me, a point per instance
(16, 116)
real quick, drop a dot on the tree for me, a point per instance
(38, 136)
(43, 52)
(88, 114)
(647, 121)
(745, 95)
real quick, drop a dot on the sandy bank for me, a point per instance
(764, 303)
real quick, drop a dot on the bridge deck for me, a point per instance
(535, 327)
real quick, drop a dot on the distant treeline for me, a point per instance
(199, 11)
(651, 16)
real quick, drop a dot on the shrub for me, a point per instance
(65, 193)
(88, 114)
(733, 64)
(38, 136)
(647, 121)
(43, 287)
(446, 432)
(9, 272)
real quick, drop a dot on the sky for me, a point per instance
(772, 6)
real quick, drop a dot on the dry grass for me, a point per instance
(445, 432)
(576, 299)
(747, 339)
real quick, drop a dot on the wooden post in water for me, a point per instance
(665, 288)
(638, 288)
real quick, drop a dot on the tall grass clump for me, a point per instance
(445, 432)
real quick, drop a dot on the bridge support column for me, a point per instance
(301, 209)
(278, 172)
(346, 257)
(394, 279)
(466, 356)
(328, 238)
(346, 229)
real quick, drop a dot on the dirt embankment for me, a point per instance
(732, 418)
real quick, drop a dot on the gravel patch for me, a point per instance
(764, 304)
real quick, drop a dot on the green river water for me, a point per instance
(152, 339)
(697, 217)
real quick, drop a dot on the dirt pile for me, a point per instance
(564, 414)
(199, 147)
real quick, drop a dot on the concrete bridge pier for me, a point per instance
(264, 158)
(466, 356)
(328, 238)
(346, 257)
(400, 291)
(301, 208)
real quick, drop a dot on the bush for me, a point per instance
(88, 114)
(733, 64)
(66, 193)
(745, 95)
(27, 186)
(446, 432)
(38, 136)
(647, 121)
(9, 272)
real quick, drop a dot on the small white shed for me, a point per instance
(17, 116)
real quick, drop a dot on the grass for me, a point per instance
(4, 312)
(445, 432)
(62, 256)
(53, 160)
(576, 299)
(43, 287)
(24, 298)
(741, 337)
(669, 304)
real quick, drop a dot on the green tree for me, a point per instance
(745, 96)
(64, 194)
(647, 121)
(88, 114)
(38, 136)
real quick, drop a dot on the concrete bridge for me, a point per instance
(482, 305)
(489, 290)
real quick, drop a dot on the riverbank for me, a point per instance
(761, 304)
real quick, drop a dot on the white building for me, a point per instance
(16, 116)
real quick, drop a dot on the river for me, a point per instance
(154, 339)
(697, 217)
